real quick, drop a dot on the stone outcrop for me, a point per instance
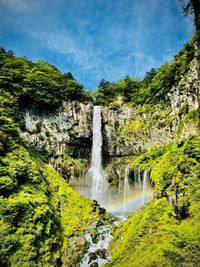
(68, 130)
(113, 121)
(187, 91)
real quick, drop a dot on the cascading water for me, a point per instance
(98, 253)
(128, 197)
(139, 178)
(126, 188)
(96, 173)
(133, 190)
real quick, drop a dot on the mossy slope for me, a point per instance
(165, 232)
(42, 218)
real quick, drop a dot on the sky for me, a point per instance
(95, 39)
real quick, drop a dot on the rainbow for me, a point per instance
(130, 204)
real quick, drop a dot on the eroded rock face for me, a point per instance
(68, 131)
(116, 143)
(187, 90)
(113, 120)
(68, 128)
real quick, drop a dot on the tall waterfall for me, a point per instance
(96, 173)
(126, 188)
(123, 196)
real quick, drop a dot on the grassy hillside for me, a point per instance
(166, 232)
(42, 219)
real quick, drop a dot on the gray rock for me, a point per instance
(92, 257)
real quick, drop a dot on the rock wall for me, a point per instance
(187, 90)
(113, 121)
(69, 129)
(119, 140)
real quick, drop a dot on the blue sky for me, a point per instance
(95, 39)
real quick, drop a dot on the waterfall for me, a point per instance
(126, 188)
(99, 183)
(139, 178)
(133, 188)
(144, 186)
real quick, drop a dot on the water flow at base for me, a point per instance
(133, 192)
(98, 253)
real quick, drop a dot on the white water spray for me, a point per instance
(139, 178)
(126, 188)
(99, 183)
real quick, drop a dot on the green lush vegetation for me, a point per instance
(41, 218)
(40, 215)
(162, 234)
(39, 84)
(153, 88)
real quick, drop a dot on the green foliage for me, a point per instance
(39, 213)
(38, 85)
(184, 110)
(109, 92)
(173, 168)
(41, 218)
(155, 85)
(132, 130)
(164, 233)
(154, 237)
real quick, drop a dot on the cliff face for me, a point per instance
(113, 121)
(126, 130)
(69, 128)
(187, 90)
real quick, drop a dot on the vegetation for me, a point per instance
(153, 88)
(165, 232)
(40, 214)
(193, 6)
(39, 84)
(41, 218)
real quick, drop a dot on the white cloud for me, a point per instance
(18, 5)
(102, 39)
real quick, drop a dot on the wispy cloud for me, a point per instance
(99, 39)
(18, 5)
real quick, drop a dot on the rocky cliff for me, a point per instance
(188, 88)
(69, 128)
(126, 130)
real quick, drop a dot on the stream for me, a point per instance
(98, 253)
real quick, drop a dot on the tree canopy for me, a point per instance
(39, 85)
(152, 88)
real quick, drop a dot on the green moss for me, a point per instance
(154, 237)
(164, 233)
(40, 214)
(131, 130)
(188, 121)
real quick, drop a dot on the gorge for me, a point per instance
(107, 181)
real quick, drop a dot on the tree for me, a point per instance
(149, 76)
(104, 84)
(192, 6)
(68, 76)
